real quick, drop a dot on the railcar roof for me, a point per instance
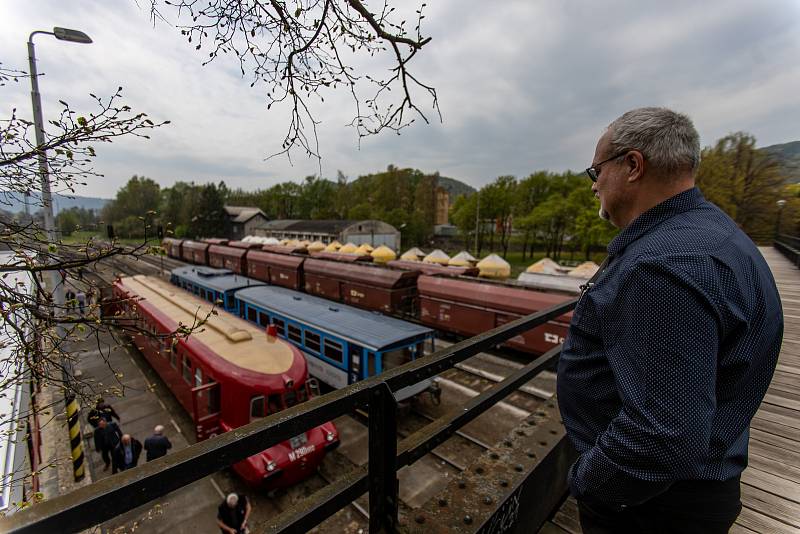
(231, 338)
(218, 279)
(369, 329)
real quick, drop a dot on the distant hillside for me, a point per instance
(455, 187)
(14, 202)
(788, 154)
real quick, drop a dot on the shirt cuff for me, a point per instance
(596, 479)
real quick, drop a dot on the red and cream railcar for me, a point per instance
(226, 375)
(471, 307)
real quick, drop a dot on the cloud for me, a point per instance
(523, 86)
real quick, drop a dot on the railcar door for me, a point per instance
(356, 353)
(206, 401)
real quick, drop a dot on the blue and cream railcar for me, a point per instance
(214, 285)
(343, 344)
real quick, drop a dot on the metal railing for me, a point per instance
(110, 497)
(789, 246)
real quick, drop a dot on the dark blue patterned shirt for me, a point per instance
(669, 355)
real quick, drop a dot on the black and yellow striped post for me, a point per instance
(75, 438)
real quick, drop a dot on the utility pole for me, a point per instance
(477, 223)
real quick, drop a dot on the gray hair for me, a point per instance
(159, 429)
(668, 140)
(232, 499)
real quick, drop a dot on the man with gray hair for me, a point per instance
(233, 514)
(158, 444)
(672, 344)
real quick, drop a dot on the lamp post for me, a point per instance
(781, 203)
(73, 36)
(56, 286)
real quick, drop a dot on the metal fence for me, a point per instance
(789, 246)
(110, 497)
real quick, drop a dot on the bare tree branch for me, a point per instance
(296, 48)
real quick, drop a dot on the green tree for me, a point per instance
(744, 182)
(209, 218)
(67, 222)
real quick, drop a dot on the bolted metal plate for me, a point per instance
(514, 487)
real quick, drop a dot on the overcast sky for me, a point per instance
(523, 86)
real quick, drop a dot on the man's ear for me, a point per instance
(634, 161)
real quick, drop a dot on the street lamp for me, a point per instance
(62, 34)
(781, 203)
(56, 286)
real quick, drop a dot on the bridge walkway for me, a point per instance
(771, 482)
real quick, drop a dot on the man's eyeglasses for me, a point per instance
(594, 170)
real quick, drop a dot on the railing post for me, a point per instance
(383, 483)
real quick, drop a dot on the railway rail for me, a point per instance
(451, 458)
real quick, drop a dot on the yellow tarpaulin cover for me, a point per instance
(437, 256)
(383, 254)
(493, 266)
(412, 254)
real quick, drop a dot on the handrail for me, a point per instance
(110, 497)
(789, 246)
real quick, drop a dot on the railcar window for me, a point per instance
(279, 323)
(257, 407)
(333, 350)
(187, 369)
(312, 341)
(251, 314)
(231, 301)
(275, 403)
(198, 377)
(173, 357)
(295, 334)
(210, 296)
(202, 293)
(263, 319)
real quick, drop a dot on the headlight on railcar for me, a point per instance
(271, 465)
(330, 436)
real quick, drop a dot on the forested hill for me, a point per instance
(455, 187)
(788, 154)
(13, 202)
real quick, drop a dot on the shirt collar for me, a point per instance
(651, 218)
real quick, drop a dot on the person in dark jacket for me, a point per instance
(157, 444)
(671, 346)
(101, 410)
(126, 454)
(233, 514)
(106, 437)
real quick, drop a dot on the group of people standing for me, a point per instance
(79, 299)
(121, 451)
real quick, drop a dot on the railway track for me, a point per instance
(427, 477)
